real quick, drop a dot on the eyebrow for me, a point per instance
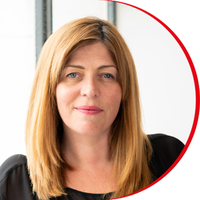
(81, 67)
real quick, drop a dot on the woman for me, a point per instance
(84, 136)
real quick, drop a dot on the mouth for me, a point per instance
(89, 110)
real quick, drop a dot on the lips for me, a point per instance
(89, 110)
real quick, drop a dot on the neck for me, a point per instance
(86, 151)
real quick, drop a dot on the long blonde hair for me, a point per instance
(130, 147)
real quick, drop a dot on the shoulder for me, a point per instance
(166, 150)
(163, 141)
(11, 164)
(14, 179)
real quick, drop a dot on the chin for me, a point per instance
(89, 131)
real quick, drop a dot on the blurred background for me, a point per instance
(165, 79)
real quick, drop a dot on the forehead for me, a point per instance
(94, 53)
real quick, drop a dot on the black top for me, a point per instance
(16, 185)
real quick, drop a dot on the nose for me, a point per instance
(90, 88)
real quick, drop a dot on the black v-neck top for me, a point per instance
(15, 183)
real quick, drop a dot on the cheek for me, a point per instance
(65, 97)
(114, 96)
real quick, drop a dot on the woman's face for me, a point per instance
(88, 94)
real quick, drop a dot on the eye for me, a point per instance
(108, 76)
(72, 75)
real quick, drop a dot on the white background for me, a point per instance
(17, 68)
(165, 79)
(17, 65)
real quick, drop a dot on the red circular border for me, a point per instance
(196, 84)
